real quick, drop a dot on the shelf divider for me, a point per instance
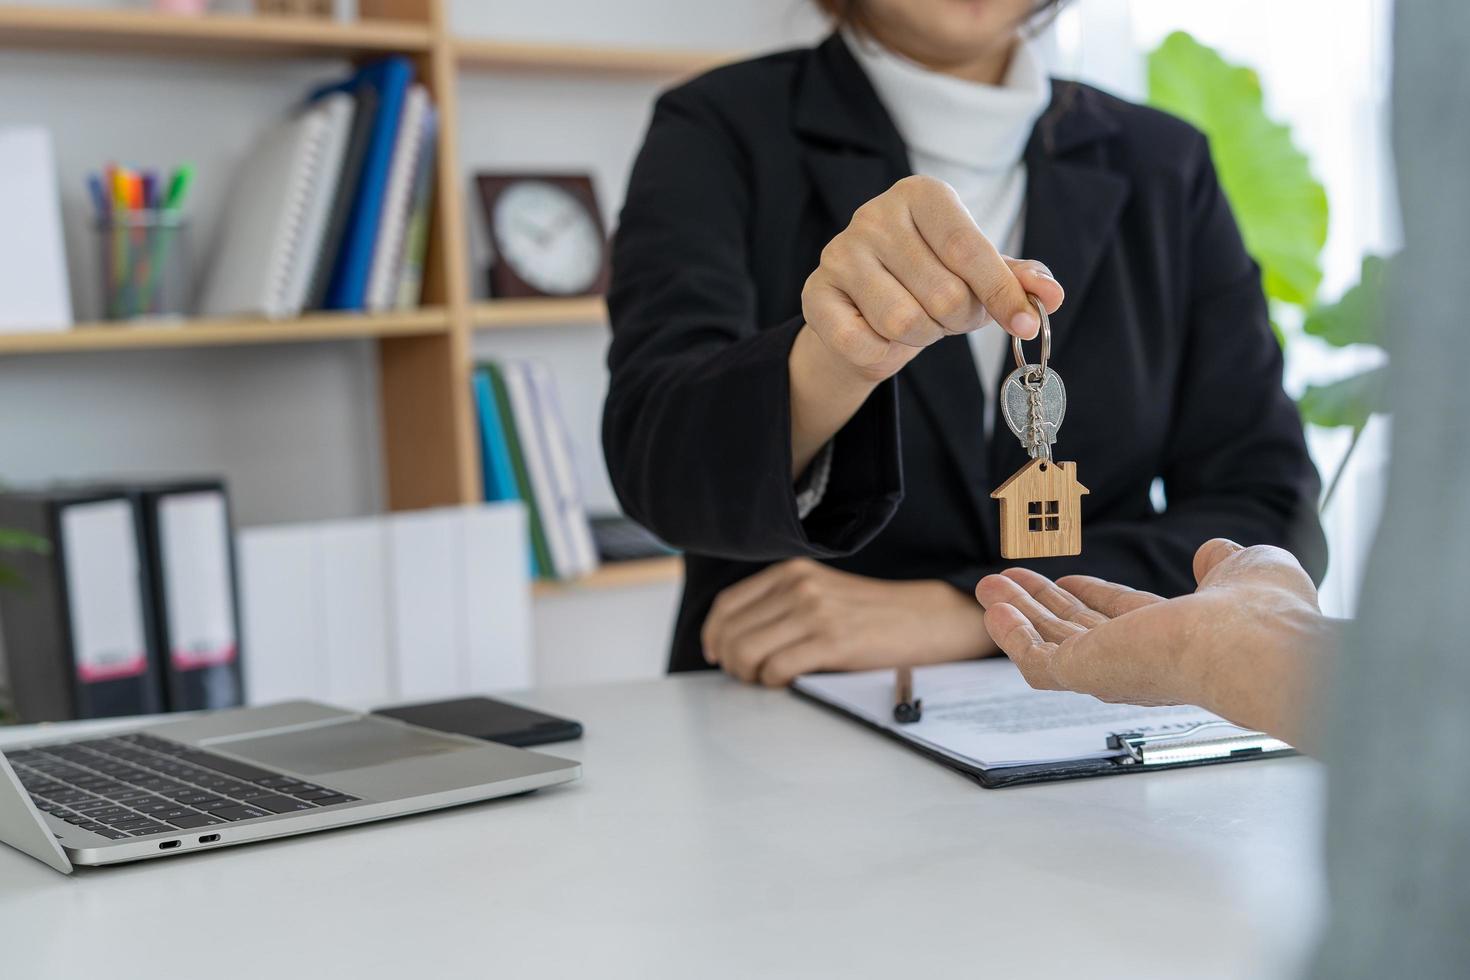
(510, 314)
(617, 575)
(532, 56)
(145, 32)
(230, 331)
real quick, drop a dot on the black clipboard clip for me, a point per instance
(1196, 744)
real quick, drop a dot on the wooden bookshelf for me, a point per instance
(145, 32)
(527, 56)
(430, 452)
(509, 314)
(619, 575)
(146, 335)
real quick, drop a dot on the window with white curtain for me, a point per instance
(1324, 68)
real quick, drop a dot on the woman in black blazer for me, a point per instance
(793, 401)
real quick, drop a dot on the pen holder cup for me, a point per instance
(143, 261)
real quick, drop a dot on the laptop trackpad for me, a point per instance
(349, 745)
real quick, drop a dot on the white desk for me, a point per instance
(722, 831)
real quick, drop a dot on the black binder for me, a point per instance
(191, 564)
(78, 629)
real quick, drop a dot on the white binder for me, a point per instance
(427, 631)
(570, 507)
(279, 607)
(351, 582)
(495, 597)
(35, 293)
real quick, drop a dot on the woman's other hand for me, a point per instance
(910, 268)
(1247, 645)
(801, 616)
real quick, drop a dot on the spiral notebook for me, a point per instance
(398, 201)
(982, 719)
(270, 240)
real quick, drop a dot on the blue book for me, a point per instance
(388, 80)
(497, 468)
(499, 476)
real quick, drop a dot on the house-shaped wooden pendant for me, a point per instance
(1041, 511)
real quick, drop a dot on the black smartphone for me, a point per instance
(494, 721)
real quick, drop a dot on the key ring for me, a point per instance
(1045, 346)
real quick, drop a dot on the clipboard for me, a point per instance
(1118, 752)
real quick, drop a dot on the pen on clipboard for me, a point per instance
(907, 709)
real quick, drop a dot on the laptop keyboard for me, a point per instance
(142, 785)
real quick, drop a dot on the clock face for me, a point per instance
(548, 237)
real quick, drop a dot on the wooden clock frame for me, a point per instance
(502, 280)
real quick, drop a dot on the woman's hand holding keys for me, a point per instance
(910, 268)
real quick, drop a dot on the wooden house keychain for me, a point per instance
(1041, 504)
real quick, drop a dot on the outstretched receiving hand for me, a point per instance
(1246, 644)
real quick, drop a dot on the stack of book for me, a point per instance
(331, 209)
(527, 456)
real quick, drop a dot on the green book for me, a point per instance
(539, 550)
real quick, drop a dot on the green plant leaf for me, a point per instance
(1348, 402)
(1357, 316)
(11, 540)
(1280, 207)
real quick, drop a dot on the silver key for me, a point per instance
(1034, 411)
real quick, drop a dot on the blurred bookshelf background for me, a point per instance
(341, 414)
(317, 414)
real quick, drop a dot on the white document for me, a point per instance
(351, 581)
(427, 627)
(99, 551)
(279, 608)
(194, 540)
(982, 713)
(494, 594)
(35, 293)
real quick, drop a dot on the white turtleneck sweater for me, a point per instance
(972, 137)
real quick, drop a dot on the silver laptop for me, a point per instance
(246, 774)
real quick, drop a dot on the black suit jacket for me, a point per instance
(1171, 368)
